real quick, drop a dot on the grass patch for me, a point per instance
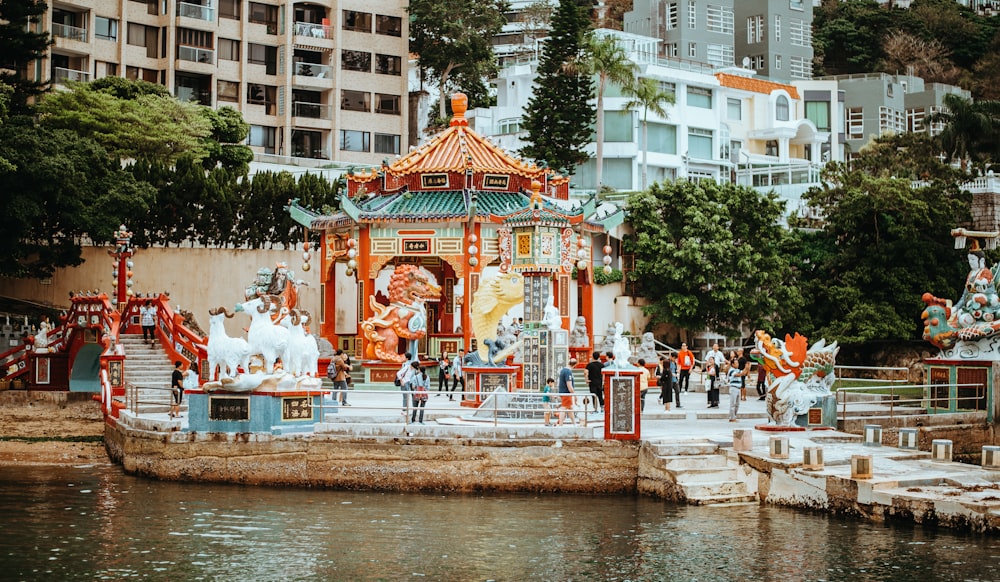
(56, 439)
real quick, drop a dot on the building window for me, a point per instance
(264, 14)
(781, 108)
(355, 101)
(355, 141)
(799, 33)
(357, 21)
(618, 127)
(388, 25)
(720, 19)
(855, 121)
(692, 49)
(818, 112)
(800, 67)
(388, 65)
(263, 137)
(137, 34)
(734, 109)
(386, 144)
(720, 55)
(671, 16)
(777, 62)
(259, 54)
(229, 50)
(106, 28)
(356, 61)
(230, 9)
(795, 4)
(692, 14)
(699, 97)
(755, 29)
(757, 62)
(195, 38)
(508, 126)
(771, 148)
(661, 138)
(670, 49)
(228, 91)
(777, 28)
(388, 104)
(700, 143)
(265, 95)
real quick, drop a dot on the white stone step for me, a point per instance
(676, 463)
(716, 489)
(684, 448)
(722, 500)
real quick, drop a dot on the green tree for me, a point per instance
(19, 46)
(59, 189)
(708, 255)
(454, 37)
(559, 115)
(609, 62)
(226, 142)
(884, 242)
(848, 35)
(971, 130)
(650, 95)
(148, 126)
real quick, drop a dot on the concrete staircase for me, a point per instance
(697, 472)
(148, 368)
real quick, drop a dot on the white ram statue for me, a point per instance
(224, 352)
(266, 338)
(302, 354)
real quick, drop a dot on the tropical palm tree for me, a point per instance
(609, 62)
(650, 96)
(971, 129)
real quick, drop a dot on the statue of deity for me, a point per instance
(621, 349)
(552, 319)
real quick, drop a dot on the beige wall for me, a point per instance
(197, 279)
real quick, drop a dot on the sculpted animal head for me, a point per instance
(219, 311)
(411, 284)
(937, 331)
(498, 293)
(781, 358)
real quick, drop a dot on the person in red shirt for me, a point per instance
(685, 361)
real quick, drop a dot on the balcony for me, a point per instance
(61, 75)
(311, 30)
(195, 54)
(70, 32)
(312, 70)
(310, 110)
(196, 11)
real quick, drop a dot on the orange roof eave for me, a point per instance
(755, 85)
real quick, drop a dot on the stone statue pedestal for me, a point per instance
(621, 404)
(482, 381)
(266, 411)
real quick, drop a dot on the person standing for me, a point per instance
(403, 377)
(609, 359)
(566, 393)
(444, 368)
(421, 387)
(340, 368)
(735, 377)
(671, 381)
(147, 319)
(457, 377)
(176, 389)
(595, 380)
(716, 358)
(547, 390)
(761, 381)
(744, 372)
(643, 384)
(685, 361)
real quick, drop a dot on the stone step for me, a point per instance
(708, 489)
(677, 463)
(684, 448)
(720, 500)
(693, 475)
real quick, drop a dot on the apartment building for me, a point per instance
(775, 38)
(326, 80)
(693, 30)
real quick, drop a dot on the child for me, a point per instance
(549, 388)
(735, 377)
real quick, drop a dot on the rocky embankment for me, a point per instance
(44, 428)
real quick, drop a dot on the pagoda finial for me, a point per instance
(536, 194)
(459, 105)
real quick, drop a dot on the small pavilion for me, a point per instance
(443, 207)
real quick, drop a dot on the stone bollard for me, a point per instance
(941, 450)
(742, 439)
(812, 458)
(991, 457)
(873, 435)
(861, 467)
(908, 438)
(777, 447)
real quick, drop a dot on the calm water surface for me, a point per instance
(98, 523)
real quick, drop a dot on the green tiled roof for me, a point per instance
(436, 205)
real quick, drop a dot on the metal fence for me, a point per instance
(896, 399)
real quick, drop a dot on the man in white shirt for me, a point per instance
(456, 374)
(715, 356)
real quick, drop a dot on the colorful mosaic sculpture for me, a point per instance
(797, 374)
(405, 316)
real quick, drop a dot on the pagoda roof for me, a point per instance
(460, 149)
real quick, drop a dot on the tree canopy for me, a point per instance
(453, 39)
(709, 255)
(20, 44)
(558, 116)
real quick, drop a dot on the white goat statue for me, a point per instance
(226, 353)
(265, 338)
(302, 354)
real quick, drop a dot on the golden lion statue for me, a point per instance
(494, 298)
(405, 316)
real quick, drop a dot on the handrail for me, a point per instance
(926, 401)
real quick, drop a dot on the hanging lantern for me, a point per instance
(581, 254)
(306, 266)
(473, 238)
(473, 261)
(128, 283)
(349, 272)
(581, 264)
(351, 242)
(129, 274)
(473, 250)
(114, 273)
(352, 264)
(607, 260)
(305, 246)
(607, 249)
(351, 253)
(607, 270)
(130, 292)
(580, 243)
(129, 264)
(306, 256)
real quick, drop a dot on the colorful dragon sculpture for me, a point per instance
(974, 317)
(797, 374)
(405, 316)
